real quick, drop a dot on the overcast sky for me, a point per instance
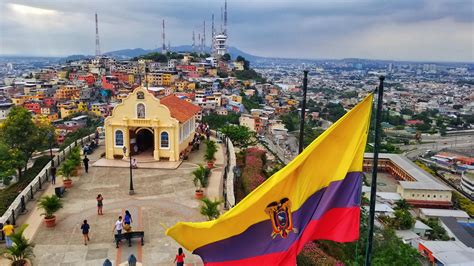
(437, 30)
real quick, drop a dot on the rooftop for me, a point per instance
(460, 232)
(425, 180)
(180, 109)
(444, 213)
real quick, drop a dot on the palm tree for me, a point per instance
(402, 205)
(200, 177)
(211, 149)
(50, 205)
(21, 249)
(210, 209)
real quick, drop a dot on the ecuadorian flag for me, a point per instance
(315, 196)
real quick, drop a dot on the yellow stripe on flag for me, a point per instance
(329, 158)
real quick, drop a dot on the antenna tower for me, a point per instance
(225, 17)
(213, 33)
(194, 42)
(199, 42)
(97, 43)
(163, 47)
(204, 37)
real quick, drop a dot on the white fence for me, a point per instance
(18, 206)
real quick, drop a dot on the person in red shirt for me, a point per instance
(179, 259)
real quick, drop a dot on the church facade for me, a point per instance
(145, 125)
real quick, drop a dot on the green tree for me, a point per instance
(19, 133)
(403, 205)
(226, 57)
(291, 121)
(252, 102)
(217, 121)
(240, 136)
(242, 59)
(210, 208)
(333, 111)
(406, 111)
(403, 220)
(10, 160)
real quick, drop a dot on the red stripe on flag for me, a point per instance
(337, 224)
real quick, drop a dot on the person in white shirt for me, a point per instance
(118, 226)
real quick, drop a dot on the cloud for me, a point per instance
(401, 29)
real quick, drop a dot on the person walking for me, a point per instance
(53, 175)
(99, 204)
(179, 259)
(118, 226)
(85, 231)
(86, 163)
(8, 230)
(97, 136)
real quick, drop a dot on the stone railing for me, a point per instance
(18, 206)
(228, 174)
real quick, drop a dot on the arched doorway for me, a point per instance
(145, 140)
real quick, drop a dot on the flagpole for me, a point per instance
(303, 110)
(373, 187)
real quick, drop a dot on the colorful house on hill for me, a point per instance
(159, 128)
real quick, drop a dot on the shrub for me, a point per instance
(210, 208)
(8, 195)
(50, 205)
(313, 255)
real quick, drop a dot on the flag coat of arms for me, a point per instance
(315, 196)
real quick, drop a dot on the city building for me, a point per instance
(415, 185)
(158, 128)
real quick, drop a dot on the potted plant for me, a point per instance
(21, 250)
(50, 205)
(209, 154)
(75, 158)
(200, 180)
(210, 208)
(66, 170)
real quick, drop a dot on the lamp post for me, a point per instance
(131, 192)
(50, 138)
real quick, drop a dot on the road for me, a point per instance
(439, 143)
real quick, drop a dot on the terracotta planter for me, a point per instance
(50, 222)
(210, 164)
(199, 194)
(67, 183)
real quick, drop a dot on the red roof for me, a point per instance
(180, 109)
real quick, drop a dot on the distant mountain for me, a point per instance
(130, 53)
(75, 57)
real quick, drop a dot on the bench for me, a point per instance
(59, 191)
(128, 236)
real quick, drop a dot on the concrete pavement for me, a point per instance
(162, 198)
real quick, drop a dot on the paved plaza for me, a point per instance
(162, 198)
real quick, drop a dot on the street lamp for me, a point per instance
(131, 192)
(50, 138)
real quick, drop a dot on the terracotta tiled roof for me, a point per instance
(180, 109)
